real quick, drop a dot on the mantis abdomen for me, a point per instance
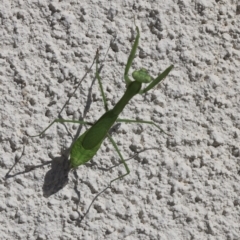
(90, 141)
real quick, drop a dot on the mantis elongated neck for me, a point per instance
(132, 89)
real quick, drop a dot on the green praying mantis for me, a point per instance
(87, 145)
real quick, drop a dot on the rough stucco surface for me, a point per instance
(187, 188)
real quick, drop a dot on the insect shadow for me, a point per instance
(57, 177)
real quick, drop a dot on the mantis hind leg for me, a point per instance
(120, 177)
(122, 160)
(116, 147)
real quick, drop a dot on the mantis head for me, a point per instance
(142, 76)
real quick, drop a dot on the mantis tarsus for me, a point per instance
(87, 145)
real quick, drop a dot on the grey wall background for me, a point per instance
(187, 188)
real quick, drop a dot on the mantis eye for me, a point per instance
(142, 76)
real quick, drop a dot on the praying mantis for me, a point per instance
(87, 145)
